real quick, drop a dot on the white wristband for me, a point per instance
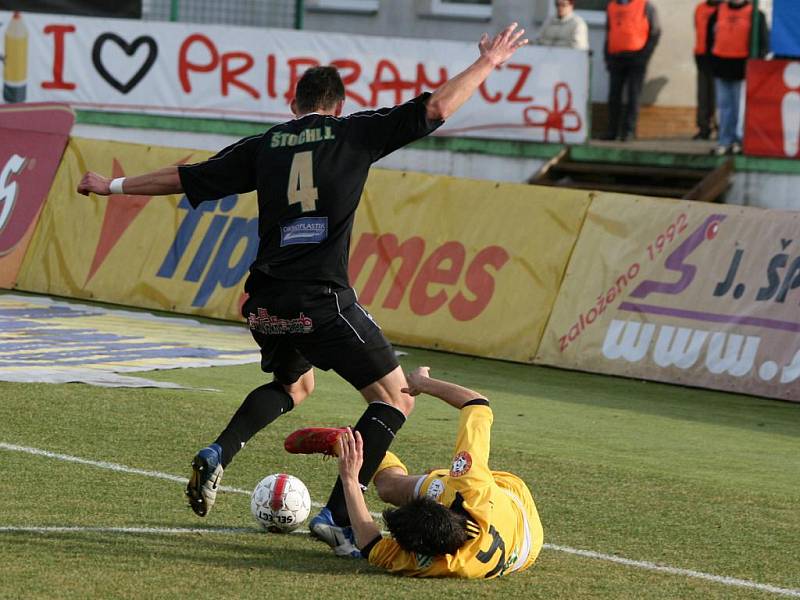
(115, 187)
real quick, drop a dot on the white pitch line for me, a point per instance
(651, 566)
(109, 465)
(125, 469)
(640, 564)
(151, 530)
(731, 581)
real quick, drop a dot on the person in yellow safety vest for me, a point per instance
(705, 115)
(732, 27)
(632, 32)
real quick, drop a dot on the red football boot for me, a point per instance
(314, 440)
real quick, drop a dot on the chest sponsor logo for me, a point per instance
(306, 230)
(462, 463)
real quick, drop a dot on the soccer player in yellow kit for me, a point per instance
(468, 521)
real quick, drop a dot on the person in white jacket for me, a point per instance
(565, 29)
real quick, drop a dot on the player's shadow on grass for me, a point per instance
(260, 551)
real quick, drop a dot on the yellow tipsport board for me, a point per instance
(463, 265)
(455, 264)
(152, 252)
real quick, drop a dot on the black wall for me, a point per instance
(86, 8)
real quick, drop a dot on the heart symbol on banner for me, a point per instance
(129, 49)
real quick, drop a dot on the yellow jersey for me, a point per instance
(510, 533)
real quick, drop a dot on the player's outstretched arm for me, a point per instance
(351, 457)
(156, 183)
(420, 382)
(448, 98)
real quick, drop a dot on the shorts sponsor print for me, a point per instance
(298, 326)
(268, 324)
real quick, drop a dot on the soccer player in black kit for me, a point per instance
(309, 174)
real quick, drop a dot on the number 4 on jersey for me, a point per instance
(301, 182)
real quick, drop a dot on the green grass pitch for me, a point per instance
(684, 478)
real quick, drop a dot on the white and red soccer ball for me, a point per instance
(280, 503)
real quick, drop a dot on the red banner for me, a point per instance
(250, 73)
(772, 124)
(32, 140)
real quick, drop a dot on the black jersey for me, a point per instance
(309, 174)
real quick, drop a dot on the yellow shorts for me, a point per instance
(390, 460)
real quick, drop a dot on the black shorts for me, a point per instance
(299, 325)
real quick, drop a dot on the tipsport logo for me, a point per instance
(213, 263)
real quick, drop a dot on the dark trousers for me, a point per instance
(624, 76)
(706, 96)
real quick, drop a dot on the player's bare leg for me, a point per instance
(302, 388)
(388, 390)
(395, 485)
(392, 481)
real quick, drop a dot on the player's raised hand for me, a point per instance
(92, 183)
(416, 381)
(500, 48)
(351, 454)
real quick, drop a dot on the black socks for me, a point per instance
(261, 407)
(378, 426)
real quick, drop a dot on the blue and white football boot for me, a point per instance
(341, 539)
(205, 479)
